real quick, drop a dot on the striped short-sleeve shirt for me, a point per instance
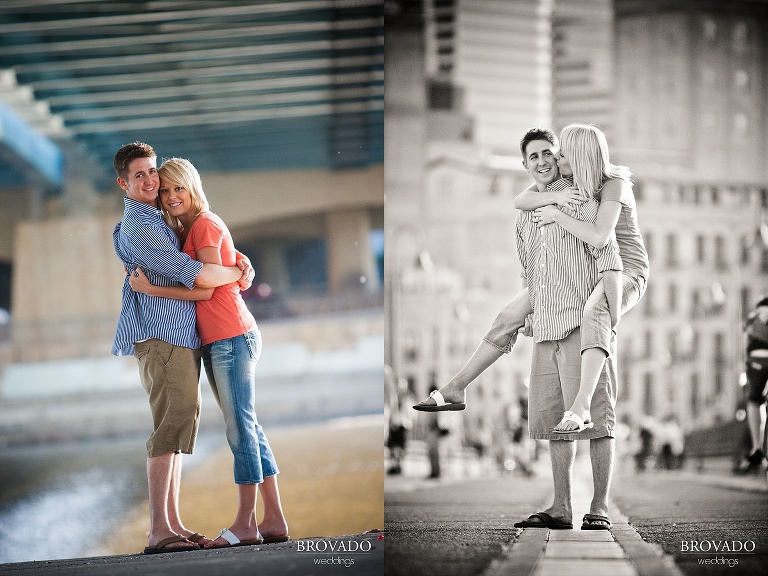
(143, 240)
(560, 270)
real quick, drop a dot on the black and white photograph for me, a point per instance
(576, 287)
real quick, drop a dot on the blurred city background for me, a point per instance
(679, 87)
(280, 107)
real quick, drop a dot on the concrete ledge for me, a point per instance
(288, 559)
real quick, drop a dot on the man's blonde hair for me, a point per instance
(586, 149)
(181, 172)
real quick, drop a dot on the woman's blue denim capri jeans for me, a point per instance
(231, 365)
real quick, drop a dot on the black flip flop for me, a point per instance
(440, 404)
(547, 521)
(595, 522)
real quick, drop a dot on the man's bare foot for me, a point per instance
(195, 537)
(155, 539)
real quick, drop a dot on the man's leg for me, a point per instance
(159, 474)
(174, 518)
(169, 375)
(562, 454)
(601, 452)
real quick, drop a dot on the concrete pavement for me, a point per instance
(464, 527)
(362, 555)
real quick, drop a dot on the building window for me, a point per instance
(719, 349)
(741, 37)
(440, 95)
(671, 251)
(648, 396)
(648, 310)
(714, 194)
(695, 394)
(695, 303)
(695, 339)
(674, 353)
(718, 380)
(741, 79)
(672, 298)
(721, 260)
(624, 388)
(700, 248)
(710, 30)
(740, 124)
(648, 343)
(764, 261)
(746, 302)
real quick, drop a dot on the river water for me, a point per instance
(58, 500)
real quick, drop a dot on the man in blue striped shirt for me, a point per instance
(561, 272)
(161, 333)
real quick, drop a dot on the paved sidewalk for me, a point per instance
(465, 527)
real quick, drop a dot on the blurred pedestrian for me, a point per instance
(231, 348)
(646, 440)
(400, 425)
(671, 441)
(437, 429)
(757, 384)
(161, 334)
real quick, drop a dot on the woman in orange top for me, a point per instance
(231, 348)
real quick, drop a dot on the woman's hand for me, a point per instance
(248, 273)
(527, 329)
(570, 198)
(139, 282)
(546, 215)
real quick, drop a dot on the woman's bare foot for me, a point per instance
(452, 394)
(244, 534)
(569, 425)
(272, 529)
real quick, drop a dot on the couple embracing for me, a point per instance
(584, 265)
(181, 292)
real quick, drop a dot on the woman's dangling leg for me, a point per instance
(497, 341)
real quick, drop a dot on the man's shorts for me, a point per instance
(555, 378)
(170, 375)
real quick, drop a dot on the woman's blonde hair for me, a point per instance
(181, 172)
(586, 149)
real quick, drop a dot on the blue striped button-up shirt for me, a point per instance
(143, 240)
(560, 270)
